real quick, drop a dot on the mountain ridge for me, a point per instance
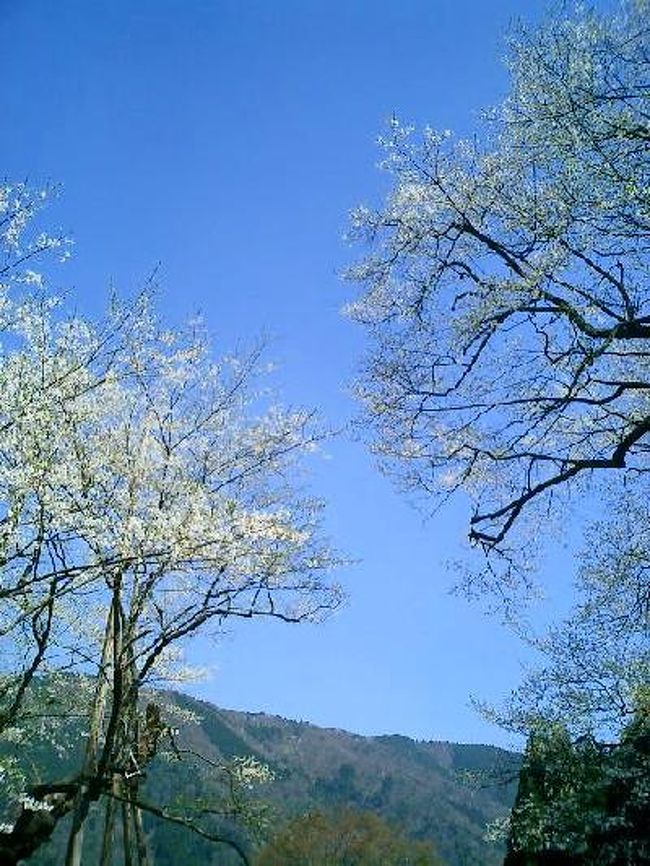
(336, 728)
(433, 791)
(420, 785)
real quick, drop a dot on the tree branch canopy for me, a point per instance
(146, 494)
(506, 285)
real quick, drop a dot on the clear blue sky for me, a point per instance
(228, 140)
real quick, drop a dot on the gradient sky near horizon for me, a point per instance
(225, 142)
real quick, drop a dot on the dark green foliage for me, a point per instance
(341, 788)
(229, 744)
(583, 803)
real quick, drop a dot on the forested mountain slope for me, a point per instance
(423, 787)
(435, 791)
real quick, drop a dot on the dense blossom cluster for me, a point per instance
(146, 492)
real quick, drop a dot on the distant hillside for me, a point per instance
(421, 787)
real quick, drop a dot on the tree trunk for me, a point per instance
(106, 856)
(98, 712)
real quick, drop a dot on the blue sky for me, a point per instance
(227, 141)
